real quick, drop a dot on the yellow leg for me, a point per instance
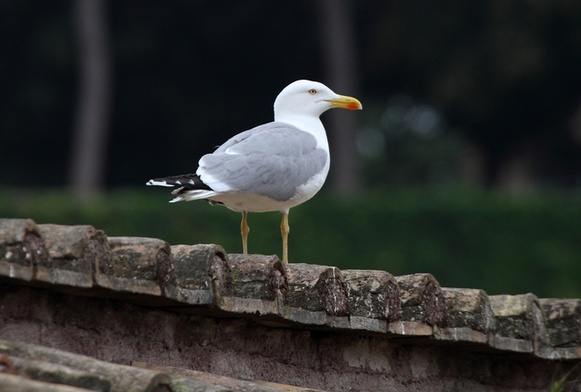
(284, 230)
(244, 230)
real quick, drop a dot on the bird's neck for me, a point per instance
(308, 123)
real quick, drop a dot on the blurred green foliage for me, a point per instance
(465, 238)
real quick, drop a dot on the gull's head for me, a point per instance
(308, 98)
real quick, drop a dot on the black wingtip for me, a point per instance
(184, 182)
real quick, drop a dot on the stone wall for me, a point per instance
(139, 302)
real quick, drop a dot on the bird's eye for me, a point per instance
(312, 91)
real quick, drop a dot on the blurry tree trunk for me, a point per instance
(339, 55)
(516, 171)
(471, 166)
(88, 155)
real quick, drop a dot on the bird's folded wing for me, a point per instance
(273, 160)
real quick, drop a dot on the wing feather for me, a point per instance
(272, 160)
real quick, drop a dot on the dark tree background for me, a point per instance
(500, 77)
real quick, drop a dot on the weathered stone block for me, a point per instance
(559, 353)
(373, 294)
(410, 328)
(460, 334)
(201, 273)
(59, 374)
(73, 252)
(421, 299)
(317, 288)
(21, 248)
(563, 321)
(14, 383)
(468, 308)
(134, 267)
(511, 344)
(259, 285)
(258, 276)
(519, 323)
(368, 324)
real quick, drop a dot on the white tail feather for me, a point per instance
(197, 194)
(159, 183)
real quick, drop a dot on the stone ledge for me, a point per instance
(204, 279)
(248, 347)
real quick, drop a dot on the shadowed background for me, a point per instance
(464, 163)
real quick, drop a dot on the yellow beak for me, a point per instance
(345, 102)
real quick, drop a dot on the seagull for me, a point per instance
(272, 167)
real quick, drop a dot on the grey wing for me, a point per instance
(273, 160)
